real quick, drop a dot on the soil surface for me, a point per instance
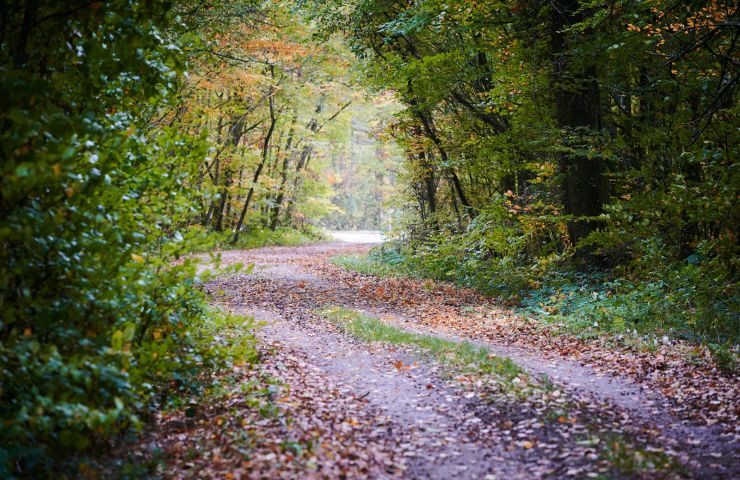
(399, 414)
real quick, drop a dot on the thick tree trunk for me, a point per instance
(578, 111)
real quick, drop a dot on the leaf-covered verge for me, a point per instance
(278, 418)
(614, 449)
(586, 305)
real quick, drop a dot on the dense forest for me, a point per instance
(574, 160)
(585, 148)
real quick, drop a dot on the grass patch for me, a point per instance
(366, 265)
(465, 357)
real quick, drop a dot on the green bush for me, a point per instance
(494, 254)
(254, 235)
(694, 300)
(98, 324)
(257, 236)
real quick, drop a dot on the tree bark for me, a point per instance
(215, 175)
(431, 133)
(300, 168)
(430, 184)
(578, 111)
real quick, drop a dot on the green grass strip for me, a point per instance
(465, 356)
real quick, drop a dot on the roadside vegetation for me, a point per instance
(258, 236)
(585, 305)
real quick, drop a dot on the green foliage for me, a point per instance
(676, 302)
(98, 324)
(384, 261)
(222, 341)
(578, 158)
(502, 252)
(263, 237)
(726, 358)
(363, 168)
(257, 235)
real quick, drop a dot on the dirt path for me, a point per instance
(431, 432)
(435, 427)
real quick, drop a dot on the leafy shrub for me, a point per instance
(494, 254)
(98, 325)
(694, 300)
(255, 235)
(259, 236)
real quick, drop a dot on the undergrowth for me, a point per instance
(221, 342)
(671, 303)
(257, 236)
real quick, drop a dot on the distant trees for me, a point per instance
(258, 91)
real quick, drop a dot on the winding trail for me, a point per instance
(431, 426)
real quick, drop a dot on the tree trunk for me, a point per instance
(216, 165)
(578, 111)
(456, 209)
(277, 205)
(431, 133)
(258, 171)
(219, 227)
(430, 184)
(29, 17)
(300, 168)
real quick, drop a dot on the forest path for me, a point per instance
(433, 426)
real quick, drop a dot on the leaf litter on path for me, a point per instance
(525, 437)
